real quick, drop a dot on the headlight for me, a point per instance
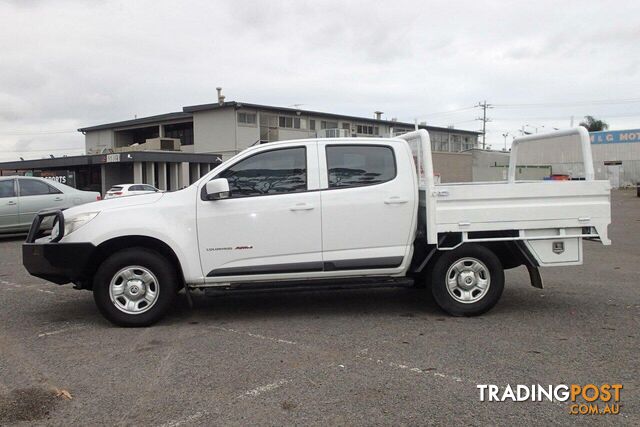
(75, 222)
(55, 231)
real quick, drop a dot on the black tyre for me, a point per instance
(467, 281)
(135, 287)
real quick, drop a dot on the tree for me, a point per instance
(594, 125)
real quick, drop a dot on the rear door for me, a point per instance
(9, 217)
(270, 224)
(368, 204)
(35, 195)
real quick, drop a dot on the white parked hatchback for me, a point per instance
(122, 190)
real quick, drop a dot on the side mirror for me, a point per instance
(217, 189)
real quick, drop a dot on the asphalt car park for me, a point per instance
(348, 357)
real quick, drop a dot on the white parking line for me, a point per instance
(262, 389)
(59, 331)
(185, 420)
(410, 368)
(250, 334)
(5, 283)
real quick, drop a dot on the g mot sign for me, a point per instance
(615, 136)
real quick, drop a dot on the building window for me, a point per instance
(247, 118)
(181, 131)
(312, 124)
(368, 130)
(441, 141)
(292, 122)
(358, 165)
(270, 172)
(456, 144)
(327, 124)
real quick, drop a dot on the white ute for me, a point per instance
(314, 212)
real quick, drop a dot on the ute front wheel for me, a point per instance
(135, 287)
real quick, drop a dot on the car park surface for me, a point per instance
(356, 357)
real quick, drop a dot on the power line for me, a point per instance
(442, 113)
(47, 150)
(563, 117)
(570, 104)
(48, 132)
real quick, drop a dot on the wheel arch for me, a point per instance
(113, 245)
(508, 253)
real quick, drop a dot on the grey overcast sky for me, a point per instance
(70, 63)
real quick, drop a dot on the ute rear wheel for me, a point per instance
(467, 281)
(135, 287)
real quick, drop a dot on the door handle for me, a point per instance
(58, 199)
(11, 203)
(301, 207)
(396, 201)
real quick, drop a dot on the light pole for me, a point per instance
(505, 135)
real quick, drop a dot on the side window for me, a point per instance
(270, 172)
(358, 165)
(7, 188)
(136, 188)
(148, 188)
(32, 187)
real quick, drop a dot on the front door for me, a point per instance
(270, 224)
(8, 205)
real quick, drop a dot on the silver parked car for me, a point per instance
(21, 197)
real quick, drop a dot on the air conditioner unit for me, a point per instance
(153, 144)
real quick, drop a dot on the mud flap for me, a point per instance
(534, 276)
(532, 266)
(187, 292)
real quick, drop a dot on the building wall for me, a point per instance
(247, 135)
(96, 141)
(453, 167)
(214, 131)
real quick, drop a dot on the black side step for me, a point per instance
(308, 285)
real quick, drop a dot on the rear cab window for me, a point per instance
(359, 165)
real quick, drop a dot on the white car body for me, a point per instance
(377, 230)
(124, 190)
